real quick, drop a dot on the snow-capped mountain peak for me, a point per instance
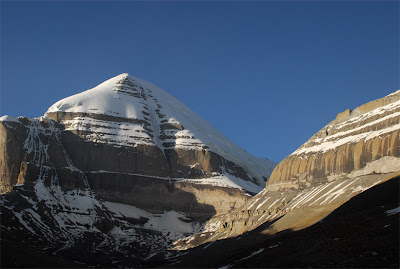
(128, 111)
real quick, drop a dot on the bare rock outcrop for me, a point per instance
(11, 153)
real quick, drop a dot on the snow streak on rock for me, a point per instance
(355, 129)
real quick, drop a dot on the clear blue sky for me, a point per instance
(267, 74)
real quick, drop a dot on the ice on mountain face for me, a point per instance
(135, 112)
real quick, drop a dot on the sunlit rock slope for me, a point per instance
(356, 151)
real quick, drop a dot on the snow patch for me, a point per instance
(225, 266)
(170, 221)
(9, 118)
(393, 211)
(227, 180)
(124, 210)
(252, 254)
(173, 225)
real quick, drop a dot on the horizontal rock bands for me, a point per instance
(60, 116)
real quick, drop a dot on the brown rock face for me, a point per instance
(347, 144)
(92, 156)
(200, 164)
(11, 154)
(157, 195)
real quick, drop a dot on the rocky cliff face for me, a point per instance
(11, 152)
(356, 151)
(348, 143)
(123, 169)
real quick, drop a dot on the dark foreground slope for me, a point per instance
(360, 234)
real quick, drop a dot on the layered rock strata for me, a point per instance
(356, 151)
(355, 138)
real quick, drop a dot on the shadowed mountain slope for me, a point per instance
(362, 233)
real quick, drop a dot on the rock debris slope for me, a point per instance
(122, 169)
(354, 152)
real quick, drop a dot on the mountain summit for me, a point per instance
(125, 111)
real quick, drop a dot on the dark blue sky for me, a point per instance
(267, 74)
